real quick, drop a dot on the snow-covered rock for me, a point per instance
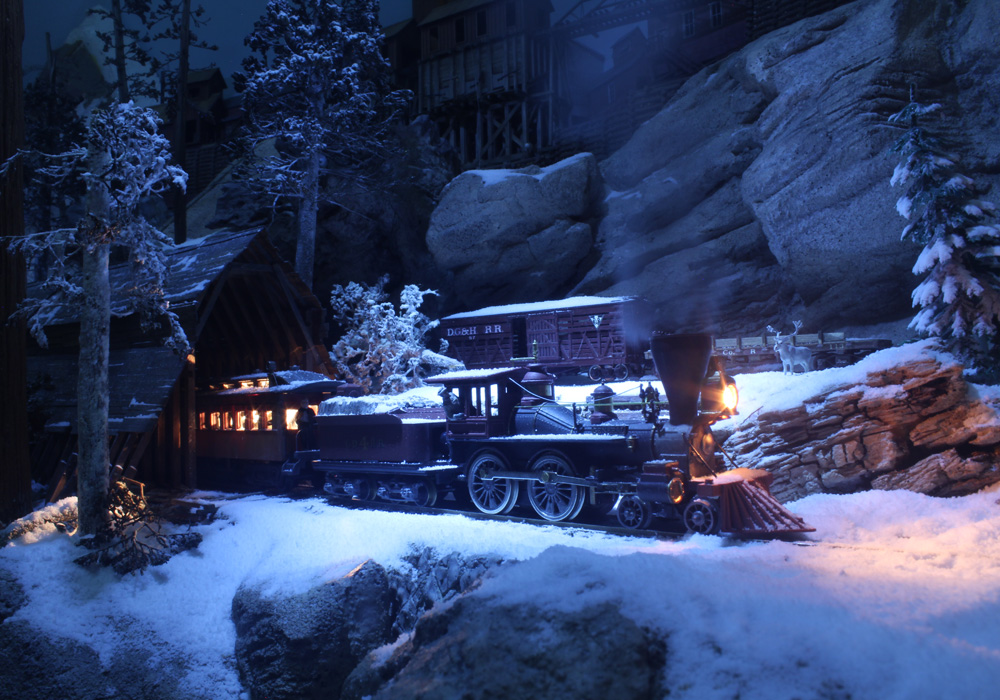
(516, 235)
(304, 646)
(479, 647)
(917, 425)
(760, 193)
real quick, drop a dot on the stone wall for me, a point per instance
(919, 426)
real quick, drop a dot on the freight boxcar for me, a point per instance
(605, 336)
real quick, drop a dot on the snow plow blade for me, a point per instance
(746, 506)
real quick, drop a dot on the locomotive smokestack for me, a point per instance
(681, 362)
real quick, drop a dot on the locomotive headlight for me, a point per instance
(730, 397)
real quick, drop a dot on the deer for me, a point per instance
(791, 356)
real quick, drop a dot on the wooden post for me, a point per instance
(190, 453)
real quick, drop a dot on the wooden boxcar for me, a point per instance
(606, 336)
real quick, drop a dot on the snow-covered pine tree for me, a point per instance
(383, 350)
(959, 298)
(127, 43)
(125, 160)
(317, 87)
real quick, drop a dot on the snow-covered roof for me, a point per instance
(469, 375)
(540, 306)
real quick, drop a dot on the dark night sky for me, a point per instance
(231, 20)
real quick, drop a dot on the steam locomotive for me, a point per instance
(499, 438)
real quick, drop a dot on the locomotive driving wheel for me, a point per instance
(634, 513)
(489, 495)
(701, 517)
(554, 501)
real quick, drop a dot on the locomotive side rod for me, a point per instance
(554, 478)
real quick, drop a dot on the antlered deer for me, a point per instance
(791, 356)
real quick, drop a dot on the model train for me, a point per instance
(499, 435)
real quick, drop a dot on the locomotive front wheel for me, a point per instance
(489, 495)
(634, 513)
(554, 501)
(701, 517)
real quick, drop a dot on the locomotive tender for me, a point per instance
(500, 435)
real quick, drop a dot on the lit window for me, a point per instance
(268, 420)
(263, 383)
(201, 420)
(215, 420)
(246, 383)
(290, 414)
(241, 420)
(689, 23)
(255, 420)
(227, 420)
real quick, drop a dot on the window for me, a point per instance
(227, 420)
(481, 23)
(201, 420)
(241, 420)
(715, 9)
(460, 30)
(689, 23)
(511, 14)
(215, 420)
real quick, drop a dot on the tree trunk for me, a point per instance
(116, 16)
(15, 470)
(305, 250)
(180, 136)
(92, 390)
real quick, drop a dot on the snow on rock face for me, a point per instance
(515, 235)
(480, 647)
(916, 426)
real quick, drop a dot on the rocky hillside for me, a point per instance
(759, 194)
(913, 423)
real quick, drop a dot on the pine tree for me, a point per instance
(317, 86)
(124, 162)
(959, 296)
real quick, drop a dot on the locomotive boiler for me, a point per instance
(499, 441)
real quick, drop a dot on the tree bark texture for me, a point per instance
(305, 250)
(92, 389)
(180, 136)
(116, 16)
(15, 469)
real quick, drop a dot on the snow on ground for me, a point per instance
(896, 595)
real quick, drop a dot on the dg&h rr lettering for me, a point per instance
(475, 330)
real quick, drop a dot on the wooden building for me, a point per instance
(767, 15)
(241, 307)
(484, 75)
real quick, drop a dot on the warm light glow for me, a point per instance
(268, 420)
(241, 420)
(215, 420)
(190, 358)
(255, 420)
(290, 414)
(730, 397)
(246, 384)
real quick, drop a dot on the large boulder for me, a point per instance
(480, 648)
(760, 193)
(304, 646)
(516, 235)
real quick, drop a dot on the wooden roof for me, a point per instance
(240, 305)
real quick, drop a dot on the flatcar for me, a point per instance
(499, 441)
(604, 336)
(251, 426)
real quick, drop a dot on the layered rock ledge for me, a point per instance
(918, 426)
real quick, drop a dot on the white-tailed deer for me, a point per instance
(791, 356)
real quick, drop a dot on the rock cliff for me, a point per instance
(761, 191)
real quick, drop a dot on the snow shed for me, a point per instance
(241, 306)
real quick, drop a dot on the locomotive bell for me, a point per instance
(681, 361)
